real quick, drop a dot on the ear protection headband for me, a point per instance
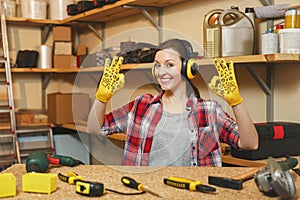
(189, 67)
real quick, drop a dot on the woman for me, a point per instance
(176, 126)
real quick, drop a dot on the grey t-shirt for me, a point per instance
(171, 141)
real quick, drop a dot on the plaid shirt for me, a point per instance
(208, 124)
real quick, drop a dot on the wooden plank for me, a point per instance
(31, 22)
(272, 58)
(116, 11)
(99, 13)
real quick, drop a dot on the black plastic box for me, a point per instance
(276, 139)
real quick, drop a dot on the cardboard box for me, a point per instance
(81, 50)
(65, 108)
(62, 48)
(62, 33)
(64, 61)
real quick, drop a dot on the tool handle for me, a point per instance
(246, 175)
(289, 163)
(176, 183)
(131, 183)
(63, 160)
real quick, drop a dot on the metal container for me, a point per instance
(211, 33)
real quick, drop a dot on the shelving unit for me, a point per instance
(120, 9)
(106, 13)
(249, 59)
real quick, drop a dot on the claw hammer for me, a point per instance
(236, 182)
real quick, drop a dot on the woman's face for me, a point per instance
(167, 69)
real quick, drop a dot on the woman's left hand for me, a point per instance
(225, 84)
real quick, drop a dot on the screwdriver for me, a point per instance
(188, 184)
(131, 183)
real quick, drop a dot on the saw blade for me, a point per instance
(282, 181)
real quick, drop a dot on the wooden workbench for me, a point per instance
(149, 176)
(227, 158)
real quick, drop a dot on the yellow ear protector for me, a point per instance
(189, 69)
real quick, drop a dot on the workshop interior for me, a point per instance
(53, 54)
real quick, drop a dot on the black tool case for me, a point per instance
(276, 139)
(100, 3)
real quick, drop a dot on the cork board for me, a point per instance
(149, 176)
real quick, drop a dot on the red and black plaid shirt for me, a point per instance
(208, 123)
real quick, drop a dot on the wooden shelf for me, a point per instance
(103, 14)
(31, 22)
(136, 66)
(274, 58)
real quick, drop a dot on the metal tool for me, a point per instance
(131, 183)
(71, 177)
(188, 184)
(275, 180)
(88, 188)
(236, 182)
(38, 161)
(63, 160)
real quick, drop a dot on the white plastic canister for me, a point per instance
(237, 34)
(58, 9)
(289, 40)
(45, 56)
(34, 9)
(10, 8)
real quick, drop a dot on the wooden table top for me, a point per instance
(149, 176)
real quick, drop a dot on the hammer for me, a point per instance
(235, 182)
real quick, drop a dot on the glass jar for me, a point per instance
(291, 18)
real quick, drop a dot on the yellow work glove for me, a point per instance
(111, 80)
(225, 84)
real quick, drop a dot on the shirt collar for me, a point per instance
(189, 103)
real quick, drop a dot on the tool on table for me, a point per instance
(38, 161)
(276, 180)
(71, 177)
(88, 188)
(188, 184)
(297, 171)
(63, 160)
(131, 183)
(236, 182)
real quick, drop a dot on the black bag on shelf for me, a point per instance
(27, 59)
(276, 139)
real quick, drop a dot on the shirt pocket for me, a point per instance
(208, 141)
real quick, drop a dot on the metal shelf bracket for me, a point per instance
(157, 24)
(267, 87)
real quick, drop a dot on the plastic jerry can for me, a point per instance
(211, 33)
(237, 33)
